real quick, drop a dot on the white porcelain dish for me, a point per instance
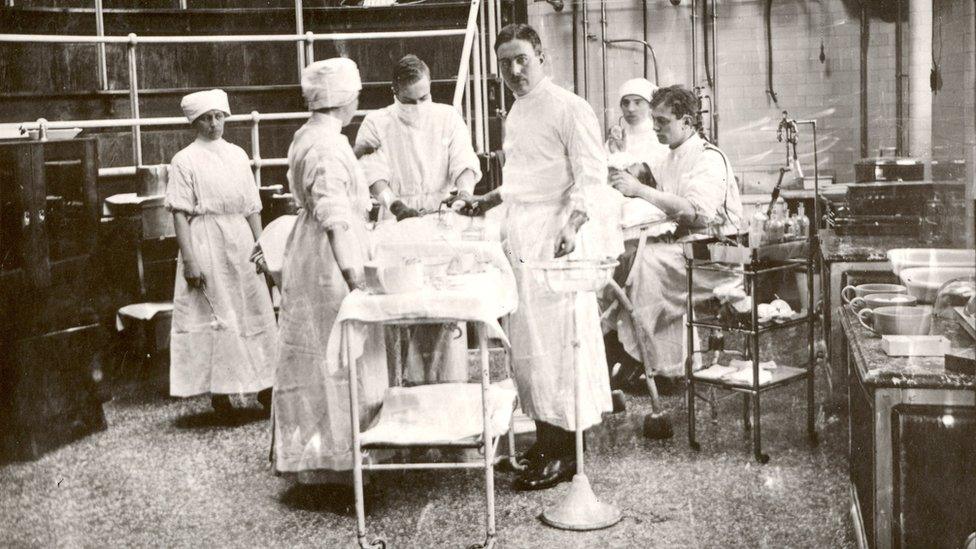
(924, 282)
(906, 258)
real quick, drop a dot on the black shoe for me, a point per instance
(525, 460)
(547, 474)
(221, 404)
(264, 398)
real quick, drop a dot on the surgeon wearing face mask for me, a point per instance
(415, 152)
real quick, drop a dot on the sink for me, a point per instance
(924, 282)
(904, 258)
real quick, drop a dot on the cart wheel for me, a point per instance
(378, 543)
(695, 446)
(763, 458)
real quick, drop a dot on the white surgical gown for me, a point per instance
(421, 162)
(699, 172)
(312, 435)
(555, 163)
(211, 181)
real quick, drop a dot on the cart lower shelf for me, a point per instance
(780, 376)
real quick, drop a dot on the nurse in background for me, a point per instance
(224, 334)
(635, 133)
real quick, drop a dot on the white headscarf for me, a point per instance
(330, 83)
(195, 104)
(640, 87)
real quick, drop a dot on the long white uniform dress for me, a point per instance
(312, 434)
(421, 161)
(699, 172)
(555, 163)
(211, 181)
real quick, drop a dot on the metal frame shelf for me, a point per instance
(751, 410)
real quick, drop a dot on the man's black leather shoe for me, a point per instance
(526, 460)
(547, 474)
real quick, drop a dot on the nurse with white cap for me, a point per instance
(635, 132)
(224, 333)
(323, 263)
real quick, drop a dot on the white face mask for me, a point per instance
(411, 114)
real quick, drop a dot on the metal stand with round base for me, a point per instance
(580, 510)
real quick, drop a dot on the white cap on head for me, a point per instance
(641, 87)
(198, 103)
(330, 83)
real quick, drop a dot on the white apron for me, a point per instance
(555, 163)
(234, 352)
(312, 435)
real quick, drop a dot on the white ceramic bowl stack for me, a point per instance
(924, 270)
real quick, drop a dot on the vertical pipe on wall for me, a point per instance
(100, 31)
(899, 82)
(644, 37)
(134, 101)
(919, 87)
(694, 43)
(863, 107)
(586, 50)
(576, 79)
(603, 62)
(299, 29)
(714, 106)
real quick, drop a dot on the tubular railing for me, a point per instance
(470, 92)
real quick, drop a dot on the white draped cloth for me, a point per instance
(224, 336)
(699, 172)
(311, 400)
(555, 163)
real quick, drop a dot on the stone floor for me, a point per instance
(168, 473)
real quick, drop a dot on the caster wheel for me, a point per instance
(763, 458)
(695, 446)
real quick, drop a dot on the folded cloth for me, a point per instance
(744, 374)
(715, 371)
(440, 413)
(638, 214)
(140, 311)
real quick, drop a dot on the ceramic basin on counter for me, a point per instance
(924, 282)
(905, 258)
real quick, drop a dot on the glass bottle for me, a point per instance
(802, 222)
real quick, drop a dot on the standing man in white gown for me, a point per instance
(554, 181)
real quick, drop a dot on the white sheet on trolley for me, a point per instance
(441, 413)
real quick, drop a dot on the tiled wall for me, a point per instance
(807, 88)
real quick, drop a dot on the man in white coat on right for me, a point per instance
(696, 188)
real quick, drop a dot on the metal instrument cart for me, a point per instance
(752, 329)
(486, 444)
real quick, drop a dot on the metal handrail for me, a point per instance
(304, 44)
(224, 38)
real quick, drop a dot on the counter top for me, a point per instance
(835, 248)
(877, 369)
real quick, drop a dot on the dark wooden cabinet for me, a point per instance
(50, 334)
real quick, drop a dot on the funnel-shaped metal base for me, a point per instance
(580, 510)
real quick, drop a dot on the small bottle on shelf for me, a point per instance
(803, 223)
